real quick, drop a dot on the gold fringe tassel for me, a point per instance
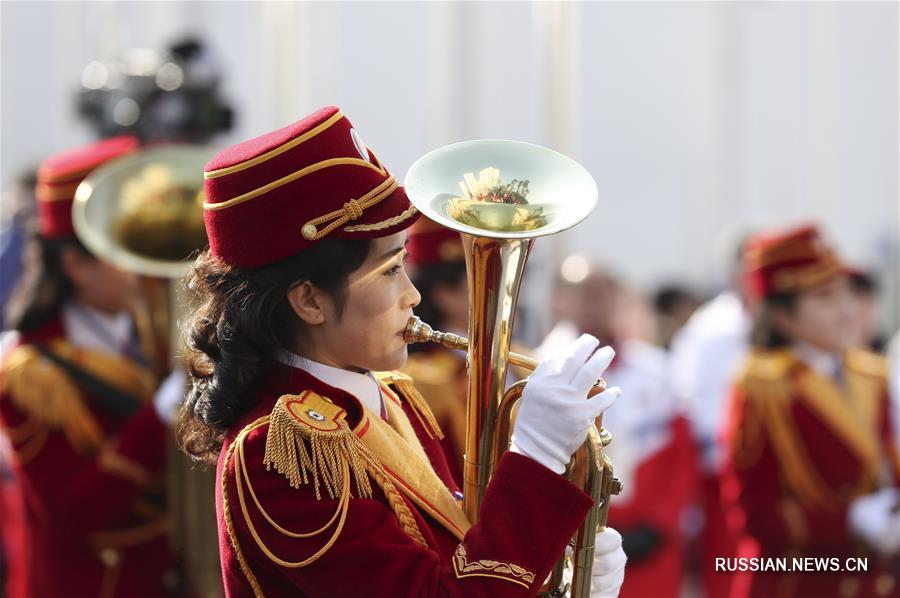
(299, 452)
(302, 454)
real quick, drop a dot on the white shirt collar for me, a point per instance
(823, 362)
(362, 386)
(89, 328)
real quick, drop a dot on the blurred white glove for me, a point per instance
(555, 413)
(608, 572)
(170, 395)
(875, 518)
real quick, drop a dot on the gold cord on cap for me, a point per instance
(351, 210)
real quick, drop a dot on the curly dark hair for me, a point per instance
(44, 286)
(241, 320)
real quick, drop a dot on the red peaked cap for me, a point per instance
(273, 196)
(59, 176)
(788, 261)
(430, 243)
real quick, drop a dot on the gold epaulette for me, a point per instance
(42, 390)
(406, 388)
(768, 365)
(765, 374)
(392, 377)
(309, 441)
(867, 363)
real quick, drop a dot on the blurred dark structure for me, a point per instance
(157, 96)
(674, 304)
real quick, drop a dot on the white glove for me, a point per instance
(170, 395)
(555, 413)
(875, 518)
(608, 571)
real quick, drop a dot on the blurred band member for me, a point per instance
(812, 468)
(17, 211)
(439, 273)
(674, 305)
(705, 357)
(652, 452)
(78, 407)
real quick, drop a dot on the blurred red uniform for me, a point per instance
(90, 477)
(810, 433)
(87, 444)
(654, 456)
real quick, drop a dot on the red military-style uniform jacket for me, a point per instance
(294, 521)
(801, 448)
(90, 481)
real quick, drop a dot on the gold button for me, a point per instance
(884, 584)
(315, 415)
(170, 579)
(849, 587)
(109, 557)
(309, 231)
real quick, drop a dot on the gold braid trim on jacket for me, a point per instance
(309, 442)
(766, 388)
(43, 390)
(405, 386)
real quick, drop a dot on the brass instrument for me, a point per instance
(144, 213)
(501, 195)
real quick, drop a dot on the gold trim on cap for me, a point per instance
(275, 152)
(806, 276)
(351, 210)
(292, 177)
(407, 213)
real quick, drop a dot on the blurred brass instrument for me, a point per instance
(144, 213)
(461, 186)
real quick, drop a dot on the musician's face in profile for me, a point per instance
(367, 334)
(823, 317)
(99, 284)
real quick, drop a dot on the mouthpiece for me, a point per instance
(418, 331)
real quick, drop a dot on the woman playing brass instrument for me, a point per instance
(81, 411)
(331, 479)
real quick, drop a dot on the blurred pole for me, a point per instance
(557, 38)
(280, 61)
(445, 90)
